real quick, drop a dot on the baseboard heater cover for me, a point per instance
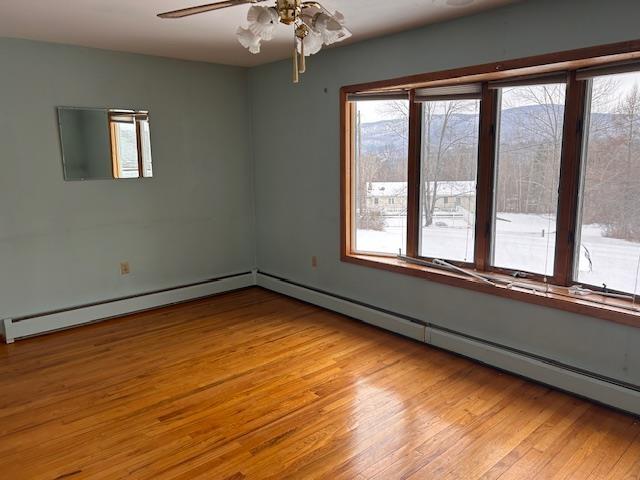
(14, 329)
(541, 370)
(351, 309)
(583, 385)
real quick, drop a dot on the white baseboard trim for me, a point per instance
(345, 307)
(581, 384)
(36, 325)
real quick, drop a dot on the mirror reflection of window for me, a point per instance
(102, 144)
(130, 144)
(145, 142)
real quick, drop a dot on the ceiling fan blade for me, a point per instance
(185, 12)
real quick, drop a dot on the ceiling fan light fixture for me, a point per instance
(313, 25)
(329, 27)
(289, 10)
(312, 43)
(262, 21)
(248, 40)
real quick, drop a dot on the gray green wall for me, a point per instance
(296, 150)
(61, 242)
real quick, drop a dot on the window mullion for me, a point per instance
(486, 176)
(569, 182)
(413, 175)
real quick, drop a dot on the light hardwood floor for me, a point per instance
(252, 384)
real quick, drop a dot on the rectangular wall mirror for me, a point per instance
(103, 143)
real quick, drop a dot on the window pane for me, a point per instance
(609, 248)
(528, 170)
(145, 139)
(448, 186)
(380, 181)
(127, 150)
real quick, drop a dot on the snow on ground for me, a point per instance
(520, 245)
(615, 262)
(523, 242)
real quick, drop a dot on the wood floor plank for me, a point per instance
(254, 385)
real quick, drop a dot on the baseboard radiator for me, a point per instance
(28, 326)
(579, 382)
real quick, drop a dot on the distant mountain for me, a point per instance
(390, 136)
(384, 136)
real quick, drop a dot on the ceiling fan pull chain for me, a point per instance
(301, 32)
(303, 60)
(296, 70)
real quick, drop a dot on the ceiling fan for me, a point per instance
(313, 25)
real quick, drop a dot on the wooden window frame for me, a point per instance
(416, 121)
(115, 148)
(557, 277)
(553, 291)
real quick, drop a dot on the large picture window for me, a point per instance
(518, 179)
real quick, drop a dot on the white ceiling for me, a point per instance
(132, 25)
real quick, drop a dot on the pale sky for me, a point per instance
(625, 81)
(373, 111)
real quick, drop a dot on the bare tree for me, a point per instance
(399, 111)
(445, 129)
(602, 157)
(530, 151)
(622, 217)
(367, 169)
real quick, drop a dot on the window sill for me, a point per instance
(598, 306)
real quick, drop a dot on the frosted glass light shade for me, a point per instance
(248, 39)
(262, 21)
